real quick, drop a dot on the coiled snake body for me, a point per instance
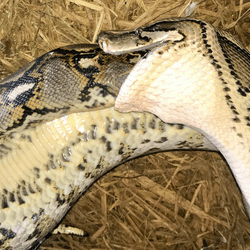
(46, 163)
(45, 168)
(194, 75)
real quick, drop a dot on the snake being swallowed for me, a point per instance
(60, 133)
(194, 75)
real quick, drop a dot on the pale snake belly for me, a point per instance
(46, 164)
(195, 75)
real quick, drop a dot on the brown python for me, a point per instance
(50, 154)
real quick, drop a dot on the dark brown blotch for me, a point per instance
(236, 119)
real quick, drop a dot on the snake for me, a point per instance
(60, 133)
(195, 75)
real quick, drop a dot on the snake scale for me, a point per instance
(195, 75)
(60, 131)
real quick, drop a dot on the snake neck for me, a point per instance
(201, 81)
(196, 80)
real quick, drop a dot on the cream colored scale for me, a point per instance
(197, 76)
(48, 158)
(46, 164)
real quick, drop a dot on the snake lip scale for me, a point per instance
(60, 132)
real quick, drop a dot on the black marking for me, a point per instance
(20, 199)
(183, 144)
(234, 111)
(12, 197)
(89, 53)
(35, 217)
(38, 189)
(228, 98)
(86, 99)
(152, 124)
(108, 146)
(60, 200)
(161, 126)
(125, 128)
(31, 190)
(48, 180)
(233, 128)
(229, 49)
(94, 105)
(246, 89)
(98, 165)
(4, 147)
(180, 126)
(219, 73)
(134, 124)
(24, 191)
(93, 132)
(116, 125)
(232, 68)
(226, 89)
(87, 175)
(4, 202)
(36, 170)
(211, 52)
(216, 65)
(108, 128)
(121, 150)
(81, 167)
(236, 119)
(103, 139)
(9, 234)
(163, 139)
(242, 92)
(28, 112)
(51, 165)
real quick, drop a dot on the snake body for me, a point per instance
(50, 154)
(195, 75)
